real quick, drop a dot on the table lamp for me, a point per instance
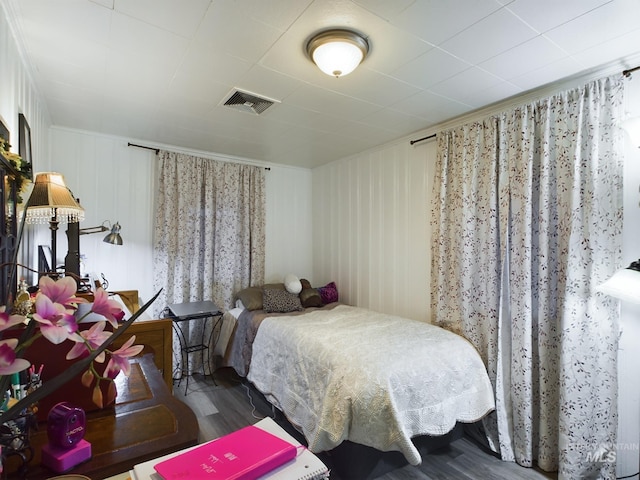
(52, 201)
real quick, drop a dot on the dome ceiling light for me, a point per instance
(337, 52)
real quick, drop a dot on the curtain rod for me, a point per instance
(422, 139)
(627, 73)
(157, 150)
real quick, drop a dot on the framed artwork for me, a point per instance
(24, 147)
(4, 131)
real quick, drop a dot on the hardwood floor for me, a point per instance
(228, 403)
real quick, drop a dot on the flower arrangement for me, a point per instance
(52, 317)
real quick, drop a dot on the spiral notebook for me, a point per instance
(305, 466)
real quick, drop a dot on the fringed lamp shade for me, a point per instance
(52, 202)
(52, 199)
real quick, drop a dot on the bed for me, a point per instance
(341, 373)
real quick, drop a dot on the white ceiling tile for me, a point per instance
(136, 38)
(322, 101)
(605, 23)
(465, 86)
(431, 68)
(489, 37)
(374, 88)
(226, 29)
(73, 113)
(167, 14)
(431, 106)
(399, 122)
(391, 47)
(536, 14)
(277, 13)
(530, 55)
(547, 74)
(435, 20)
(85, 76)
(384, 8)
(200, 61)
(494, 93)
(152, 78)
(51, 32)
(197, 89)
(625, 46)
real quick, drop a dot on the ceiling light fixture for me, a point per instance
(337, 52)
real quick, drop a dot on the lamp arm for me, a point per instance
(89, 230)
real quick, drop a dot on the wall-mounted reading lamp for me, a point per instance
(113, 237)
(624, 284)
(72, 260)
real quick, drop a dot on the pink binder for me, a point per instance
(245, 454)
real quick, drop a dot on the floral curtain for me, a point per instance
(527, 221)
(208, 235)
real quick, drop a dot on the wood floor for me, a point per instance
(227, 404)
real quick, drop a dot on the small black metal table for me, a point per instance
(187, 312)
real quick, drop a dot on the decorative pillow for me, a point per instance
(251, 298)
(281, 301)
(292, 284)
(310, 297)
(329, 293)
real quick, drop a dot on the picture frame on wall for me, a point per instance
(4, 131)
(24, 145)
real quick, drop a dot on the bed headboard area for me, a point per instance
(289, 296)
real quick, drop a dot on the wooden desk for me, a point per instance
(155, 335)
(146, 422)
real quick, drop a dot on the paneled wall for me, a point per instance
(116, 182)
(18, 95)
(371, 228)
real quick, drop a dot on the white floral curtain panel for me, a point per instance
(208, 234)
(527, 221)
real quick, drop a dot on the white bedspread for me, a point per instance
(378, 380)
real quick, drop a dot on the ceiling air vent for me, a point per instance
(248, 102)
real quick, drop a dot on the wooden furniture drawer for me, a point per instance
(157, 338)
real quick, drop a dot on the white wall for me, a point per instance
(18, 95)
(115, 182)
(371, 228)
(629, 357)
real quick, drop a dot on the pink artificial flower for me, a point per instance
(118, 361)
(60, 291)
(8, 362)
(95, 336)
(109, 309)
(8, 321)
(56, 324)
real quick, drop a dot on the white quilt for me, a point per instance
(375, 379)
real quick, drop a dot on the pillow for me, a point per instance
(292, 284)
(329, 293)
(251, 298)
(310, 297)
(281, 301)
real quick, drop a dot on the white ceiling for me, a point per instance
(158, 70)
